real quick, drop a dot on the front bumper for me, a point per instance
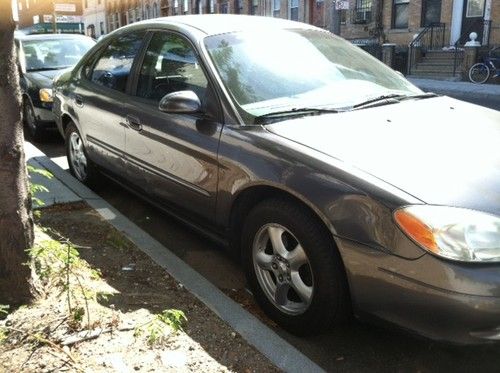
(44, 115)
(441, 300)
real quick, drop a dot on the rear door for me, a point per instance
(175, 154)
(100, 100)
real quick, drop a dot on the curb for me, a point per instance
(459, 89)
(281, 353)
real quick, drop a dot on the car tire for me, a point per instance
(31, 123)
(79, 163)
(305, 291)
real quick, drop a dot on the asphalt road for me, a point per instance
(357, 347)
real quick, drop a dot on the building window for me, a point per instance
(400, 14)
(253, 5)
(211, 6)
(431, 12)
(294, 10)
(238, 7)
(343, 17)
(276, 8)
(475, 8)
(101, 28)
(224, 7)
(155, 11)
(137, 15)
(363, 11)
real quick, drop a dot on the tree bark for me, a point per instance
(16, 222)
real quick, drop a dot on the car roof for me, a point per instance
(21, 36)
(213, 24)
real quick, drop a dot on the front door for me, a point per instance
(472, 19)
(173, 156)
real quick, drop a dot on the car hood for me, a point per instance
(43, 79)
(440, 150)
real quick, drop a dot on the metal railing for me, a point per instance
(460, 43)
(431, 37)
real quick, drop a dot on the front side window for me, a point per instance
(400, 13)
(271, 72)
(170, 65)
(112, 69)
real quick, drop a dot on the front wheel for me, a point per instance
(479, 73)
(30, 121)
(293, 267)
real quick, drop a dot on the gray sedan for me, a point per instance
(343, 187)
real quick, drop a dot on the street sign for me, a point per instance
(70, 8)
(342, 5)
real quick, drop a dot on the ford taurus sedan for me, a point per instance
(343, 187)
(40, 59)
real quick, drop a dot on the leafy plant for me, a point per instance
(161, 325)
(37, 188)
(3, 335)
(58, 264)
(4, 309)
(3, 312)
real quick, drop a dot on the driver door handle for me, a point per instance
(134, 123)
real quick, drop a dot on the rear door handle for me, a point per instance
(134, 123)
(78, 100)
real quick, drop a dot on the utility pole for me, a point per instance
(335, 25)
(54, 21)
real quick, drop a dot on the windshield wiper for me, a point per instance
(261, 119)
(391, 98)
(419, 96)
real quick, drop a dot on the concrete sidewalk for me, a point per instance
(477, 93)
(64, 188)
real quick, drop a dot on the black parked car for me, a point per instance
(41, 58)
(341, 184)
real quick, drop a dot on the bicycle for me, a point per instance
(480, 72)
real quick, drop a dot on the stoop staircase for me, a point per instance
(428, 57)
(439, 64)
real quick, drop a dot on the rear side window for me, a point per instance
(112, 69)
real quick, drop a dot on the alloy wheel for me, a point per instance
(77, 156)
(283, 269)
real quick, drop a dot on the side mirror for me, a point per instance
(182, 102)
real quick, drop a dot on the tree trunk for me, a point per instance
(16, 223)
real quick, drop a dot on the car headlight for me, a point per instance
(452, 233)
(46, 95)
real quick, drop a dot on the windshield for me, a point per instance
(52, 54)
(267, 72)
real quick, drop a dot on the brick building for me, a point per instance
(397, 21)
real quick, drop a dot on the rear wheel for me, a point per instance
(479, 73)
(31, 123)
(293, 267)
(80, 165)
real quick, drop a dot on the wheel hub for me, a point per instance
(278, 258)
